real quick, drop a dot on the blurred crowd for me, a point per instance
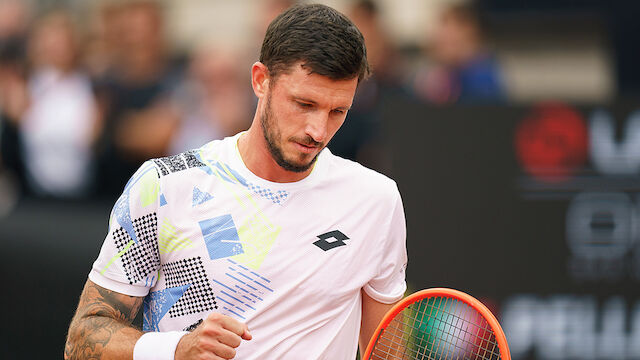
(84, 103)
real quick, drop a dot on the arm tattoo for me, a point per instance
(101, 314)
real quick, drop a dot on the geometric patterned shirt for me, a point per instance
(198, 232)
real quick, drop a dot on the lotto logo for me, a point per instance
(328, 245)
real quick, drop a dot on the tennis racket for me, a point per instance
(437, 324)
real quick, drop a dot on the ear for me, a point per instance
(260, 79)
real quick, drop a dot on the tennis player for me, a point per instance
(263, 245)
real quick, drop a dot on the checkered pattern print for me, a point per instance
(141, 258)
(277, 197)
(191, 159)
(183, 161)
(199, 297)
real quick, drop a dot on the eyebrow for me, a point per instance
(298, 98)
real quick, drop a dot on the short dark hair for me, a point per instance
(325, 40)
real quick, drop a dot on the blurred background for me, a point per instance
(512, 128)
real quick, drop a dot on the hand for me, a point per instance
(216, 338)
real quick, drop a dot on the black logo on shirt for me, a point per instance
(328, 245)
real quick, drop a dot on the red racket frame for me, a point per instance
(450, 293)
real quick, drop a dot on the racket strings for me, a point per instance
(437, 329)
(392, 342)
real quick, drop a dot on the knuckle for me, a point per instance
(226, 352)
(210, 330)
(235, 342)
(213, 331)
(214, 316)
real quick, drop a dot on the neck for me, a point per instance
(257, 158)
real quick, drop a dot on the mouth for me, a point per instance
(307, 149)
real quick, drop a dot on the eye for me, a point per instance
(338, 111)
(304, 105)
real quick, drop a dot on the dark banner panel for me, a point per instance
(534, 210)
(48, 249)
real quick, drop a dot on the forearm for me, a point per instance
(101, 327)
(100, 337)
(372, 313)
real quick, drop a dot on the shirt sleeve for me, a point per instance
(129, 259)
(389, 285)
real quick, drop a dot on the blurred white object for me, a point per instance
(57, 133)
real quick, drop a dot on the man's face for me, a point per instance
(302, 112)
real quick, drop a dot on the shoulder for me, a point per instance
(360, 179)
(175, 163)
(194, 158)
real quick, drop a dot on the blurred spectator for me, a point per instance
(216, 99)
(134, 94)
(59, 127)
(359, 137)
(14, 21)
(13, 103)
(15, 17)
(383, 57)
(459, 68)
(270, 9)
(99, 52)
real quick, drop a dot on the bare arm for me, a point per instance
(372, 313)
(101, 327)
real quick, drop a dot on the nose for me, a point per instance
(317, 127)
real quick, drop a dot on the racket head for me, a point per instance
(436, 324)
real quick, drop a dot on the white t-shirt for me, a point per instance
(57, 131)
(198, 232)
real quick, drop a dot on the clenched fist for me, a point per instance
(216, 338)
